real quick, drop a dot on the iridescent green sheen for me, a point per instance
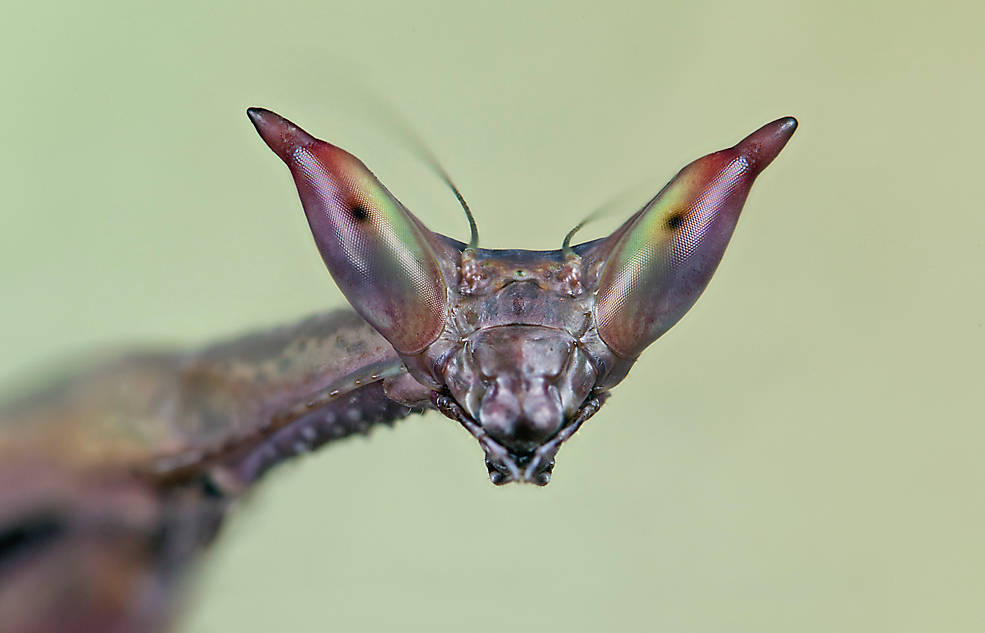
(661, 260)
(378, 253)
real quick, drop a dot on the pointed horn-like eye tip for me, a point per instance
(280, 135)
(763, 145)
(257, 114)
(662, 259)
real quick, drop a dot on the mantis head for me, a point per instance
(520, 347)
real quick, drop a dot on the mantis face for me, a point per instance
(520, 347)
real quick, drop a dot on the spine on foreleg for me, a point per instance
(354, 412)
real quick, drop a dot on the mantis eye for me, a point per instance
(660, 261)
(378, 253)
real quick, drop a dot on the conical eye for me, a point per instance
(660, 261)
(378, 253)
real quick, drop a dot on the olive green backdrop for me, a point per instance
(804, 452)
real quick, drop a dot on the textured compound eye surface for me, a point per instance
(377, 252)
(661, 260)
(372, 246)
(664, 261)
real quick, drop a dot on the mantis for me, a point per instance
(113, 480)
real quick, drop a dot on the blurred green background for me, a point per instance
(803, 452)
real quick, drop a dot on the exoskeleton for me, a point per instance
(112, 480)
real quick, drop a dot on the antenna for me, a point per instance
(384, 111)
(607, 208)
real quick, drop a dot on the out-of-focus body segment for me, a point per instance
(113, 480)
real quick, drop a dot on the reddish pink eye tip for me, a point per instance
(788, 124)
(258, 114)
(763, 145)
(378, 252)
(663, 257)
(278, 133)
